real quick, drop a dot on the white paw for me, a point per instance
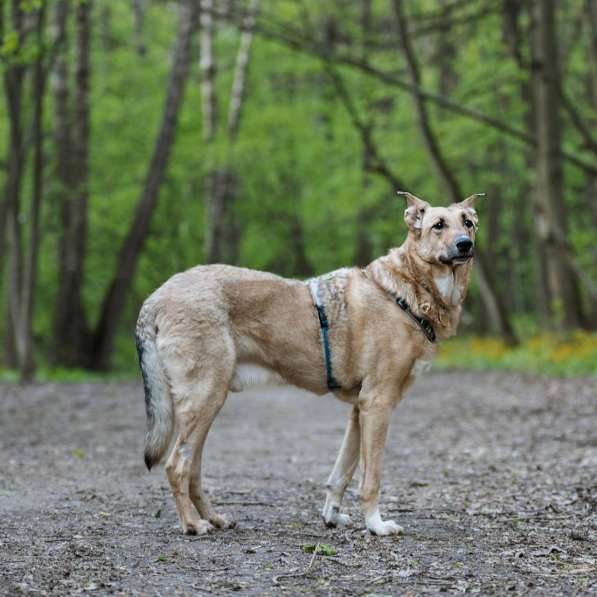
(196, 526)
(332, 517)
(380, 527)
(343, 520)
(222, 521)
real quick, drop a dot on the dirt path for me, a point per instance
(494, 478)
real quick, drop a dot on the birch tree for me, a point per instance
(139, 19)
(222, 233)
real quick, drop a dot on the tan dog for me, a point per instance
(363, 333)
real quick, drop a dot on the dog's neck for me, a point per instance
(433, 291)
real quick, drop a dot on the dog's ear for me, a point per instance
(469, 202)
(415, 210)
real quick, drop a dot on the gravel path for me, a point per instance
(492, 476)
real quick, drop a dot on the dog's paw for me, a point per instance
(380, 527)
(387, 527)
(343, 520)
(221, 521)
(332, 517)
(197, 527)
(338, 520)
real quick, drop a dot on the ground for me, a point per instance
(492, 476)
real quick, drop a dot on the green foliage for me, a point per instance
(298, 158)
(321, 549)
(546, 354)
(46, 374)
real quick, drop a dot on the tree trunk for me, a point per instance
(240, 73)
(494, 302)
(223, 229)
(591, 14)
(27, 303)
(302, 267)
(446, 53)
(70, 325)
(515, 36)
(114, 301)
(364, 246)
(207, 66)
(139, 18)
(222, 235)
(9, 208)
(551, 217)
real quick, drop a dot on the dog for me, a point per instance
(362, 334)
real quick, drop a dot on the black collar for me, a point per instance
(424, 324)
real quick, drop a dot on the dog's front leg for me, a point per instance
(375, 412)
(341, 476)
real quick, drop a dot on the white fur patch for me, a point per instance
(185, 451)
(249, 374)
(421, 366)
(380, 527)
(446, 285)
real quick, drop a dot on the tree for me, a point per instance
(551, 216)
(222, 233)
(14, 74)
(494, 303)
(114, 301)
(72, 130)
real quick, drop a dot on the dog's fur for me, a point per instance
(213, 329)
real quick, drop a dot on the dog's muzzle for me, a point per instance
(460, 252)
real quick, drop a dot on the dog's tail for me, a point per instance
(158, 404)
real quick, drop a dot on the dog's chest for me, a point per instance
(448, 288)
(423, 364)
(421, 367)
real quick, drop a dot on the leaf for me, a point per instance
(10, 44)
(158, 514)
(322, 549)
(78, 453)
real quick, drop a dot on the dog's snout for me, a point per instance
(464, 244)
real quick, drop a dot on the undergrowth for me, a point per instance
(570, 355)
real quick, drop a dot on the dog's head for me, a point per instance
(442, 235)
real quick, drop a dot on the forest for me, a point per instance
(139, 138)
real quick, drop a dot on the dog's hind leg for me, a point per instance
(209, 410)
(199, 388)
(178, 470)
(342, 474)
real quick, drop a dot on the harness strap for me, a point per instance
(325, 340)
(424, 324)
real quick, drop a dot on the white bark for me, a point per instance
(240, 73)
(207, 66)
(139, 18)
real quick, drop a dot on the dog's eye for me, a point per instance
(468, 223)
(438, 225)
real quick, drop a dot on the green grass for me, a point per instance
(48, 374)
(571, 355)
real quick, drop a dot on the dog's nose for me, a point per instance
(464, 244)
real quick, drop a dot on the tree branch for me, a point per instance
(297, 41)
(578, 122)
(376, 164)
